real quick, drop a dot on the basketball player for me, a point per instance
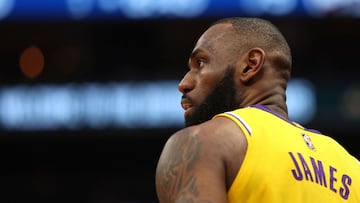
(239, 145)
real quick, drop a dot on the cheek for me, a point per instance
(205, 85)
(200, 93)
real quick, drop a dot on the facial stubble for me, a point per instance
(220, 100)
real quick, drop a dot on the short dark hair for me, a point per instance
(257, 32)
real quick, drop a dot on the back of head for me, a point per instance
(256, 32)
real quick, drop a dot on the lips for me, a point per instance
(185, 103)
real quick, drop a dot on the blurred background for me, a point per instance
(88, 88)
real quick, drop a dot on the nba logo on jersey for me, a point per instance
(308, 141)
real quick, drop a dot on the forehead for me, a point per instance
(215, 38)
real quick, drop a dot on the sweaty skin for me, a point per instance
(231, 153)
(188, 156)
(197, 163)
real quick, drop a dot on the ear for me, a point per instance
(254, 60)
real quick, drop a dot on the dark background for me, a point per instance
(118, 165)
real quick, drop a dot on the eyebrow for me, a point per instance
(192, 54)
(197, 51)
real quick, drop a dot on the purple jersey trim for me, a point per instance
(264, 108)
(240, 120)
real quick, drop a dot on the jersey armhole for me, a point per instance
(247, 132)
(241, 123)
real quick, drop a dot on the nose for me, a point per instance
(187, 83)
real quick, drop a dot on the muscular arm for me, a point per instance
(190, 169)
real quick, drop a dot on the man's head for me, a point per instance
(237, 62)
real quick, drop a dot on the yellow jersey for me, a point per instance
(285, 162)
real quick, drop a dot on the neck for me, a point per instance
(274, 99)
(281, 110)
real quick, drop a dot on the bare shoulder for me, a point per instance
(181, 167)
(193, 163)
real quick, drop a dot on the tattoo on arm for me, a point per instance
(174, 173)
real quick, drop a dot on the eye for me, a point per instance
(200, 62)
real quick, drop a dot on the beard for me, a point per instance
(220, 100)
